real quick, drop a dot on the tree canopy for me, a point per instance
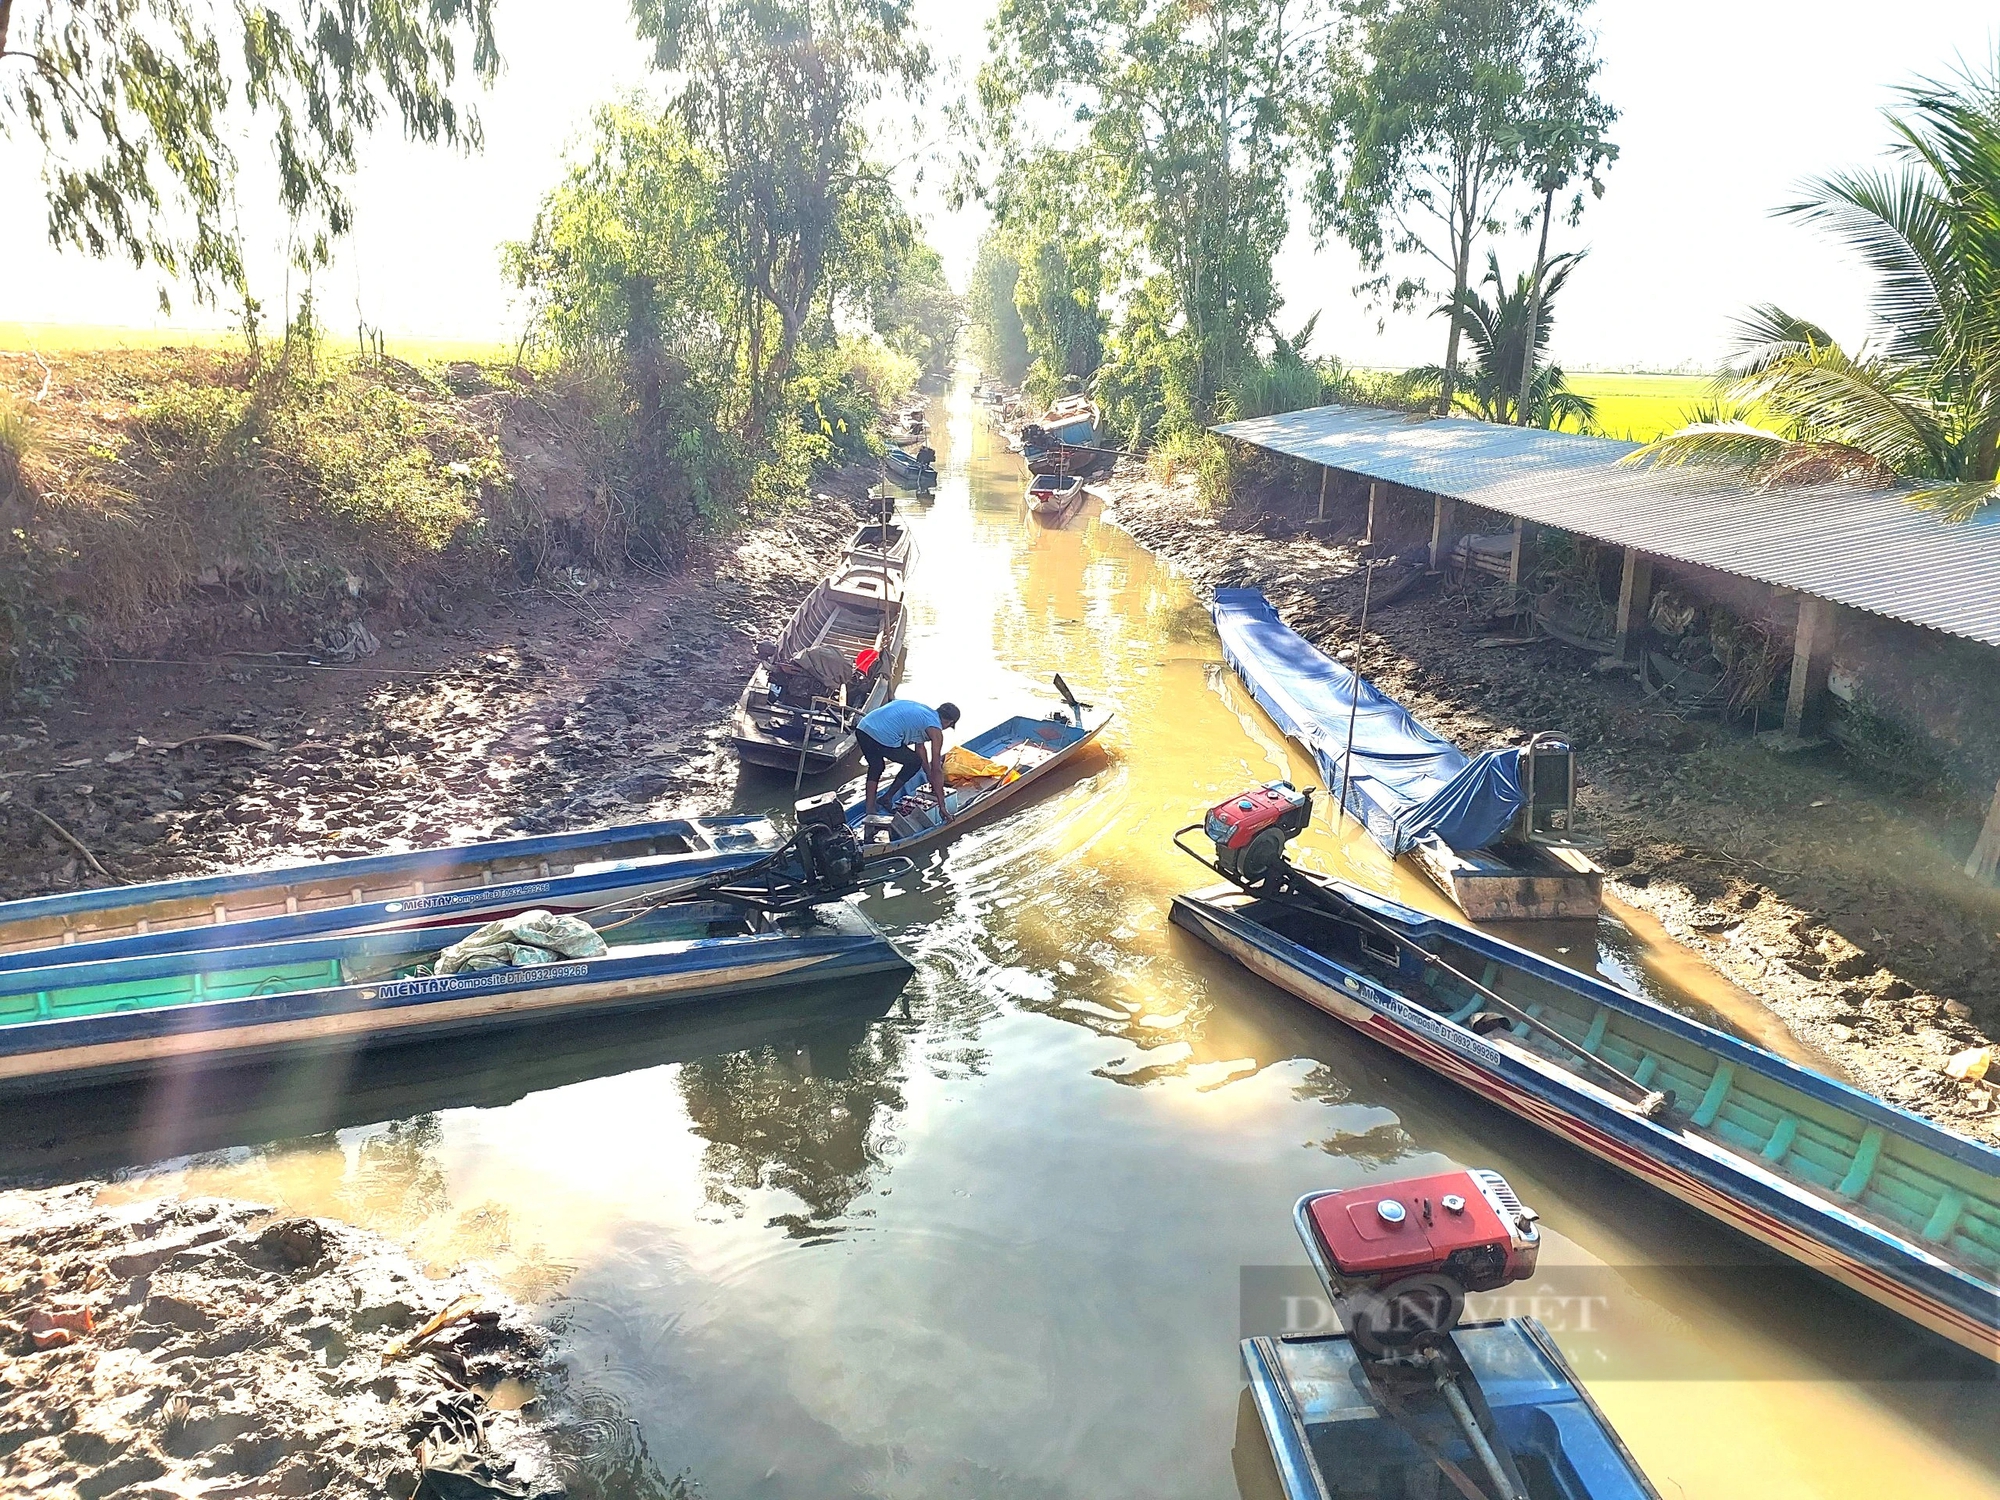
(129, 101)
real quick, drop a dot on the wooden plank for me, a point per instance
(1779, 1146)
(1718, 1090)
(1856, 1180)
(1594, 1038)
(1945, 1218)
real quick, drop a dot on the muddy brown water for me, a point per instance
(1000, 1236)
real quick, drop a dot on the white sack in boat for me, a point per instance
(533, 937)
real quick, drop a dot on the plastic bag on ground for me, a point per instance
(532, 937)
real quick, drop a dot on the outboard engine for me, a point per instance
(1251, 829)
(827, 853)
(1398, 1259)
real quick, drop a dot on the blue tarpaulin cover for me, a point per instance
(1408, 782)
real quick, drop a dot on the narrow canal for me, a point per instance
(1000, 1238)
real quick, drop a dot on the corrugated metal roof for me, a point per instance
(1868, 548)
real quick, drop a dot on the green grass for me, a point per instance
(1641, 407)
(52, 338)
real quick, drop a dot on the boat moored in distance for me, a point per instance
(1883, 1201)
(68, 1022)
(324, 892)
(916, 470)
(838, 658)
(1491, 830)
(987, 773)
(881, 544)
(1052, 497)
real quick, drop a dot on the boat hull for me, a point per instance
(1878, 1265)
(344, 1017)
(1311, 1399)
(120, 911)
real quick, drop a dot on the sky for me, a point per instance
(1726, 105)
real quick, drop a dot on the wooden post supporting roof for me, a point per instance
(1984, 863)
(1443, 536)
(1812, 655)
(1324, 474)
(1516, 559)
(1635, 599)
(1374, 490)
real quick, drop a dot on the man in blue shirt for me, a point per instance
(906, 732)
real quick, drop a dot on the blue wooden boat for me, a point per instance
(340, 893)
(917, 471)
(68, 1022)
(1329, 1441)
(1053, 497)
(1005, 764)
(1883, 1201)
(1490, 829)
(588, 887)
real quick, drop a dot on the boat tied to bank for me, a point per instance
(340, 894)
(914, 470)
(1875, 1197)
(987, 773)
(1491, 830)
(1052, 498)
(778, 923)
(839, 657)
(1408, 1398)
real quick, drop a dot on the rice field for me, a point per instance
(51, 338)
(1641, 407)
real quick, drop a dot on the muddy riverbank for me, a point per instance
(1836, 903)
(585, 701)
(169, 1347)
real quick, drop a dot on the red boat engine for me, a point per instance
(1251, 829)
(1398, 1258)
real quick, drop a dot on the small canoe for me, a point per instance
(858, 612)
(1053, 497)
(916, 470)
(1328, 1438)
(881, 544)
(1879, 1199)
(1003, 764)
(96, 1021)
(421, 878)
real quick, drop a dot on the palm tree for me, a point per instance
(1921, 401)
(1498, 333)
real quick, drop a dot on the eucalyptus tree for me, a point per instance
(775, 91)
(1183, 109)
(1421, 127)
(1064, 266)
(1565, 148)
(1921, 400)
(131, 104)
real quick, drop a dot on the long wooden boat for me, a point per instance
(1024, 752)
(916, 470)
(1053, 497)
(68, 1022)
(1327, 1437)
(586, 888)
(331, 891)
(858, 612)
(1900, 1210)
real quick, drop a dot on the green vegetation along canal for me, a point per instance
(1000, 1238)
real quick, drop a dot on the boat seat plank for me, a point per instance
(1780, 1144)
(1648, 1066)
(1856, 1180)
(1718, 1090)
(1594, 1038)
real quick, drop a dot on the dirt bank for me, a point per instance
(1838, 903)
(172, 1347)
(565, 705)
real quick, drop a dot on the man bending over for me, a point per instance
(906, 732)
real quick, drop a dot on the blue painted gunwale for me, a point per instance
(1070, 740)
(476, 904)
(735, 830)
(849, 945)
(1547, 1414)
(1785, 1215)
